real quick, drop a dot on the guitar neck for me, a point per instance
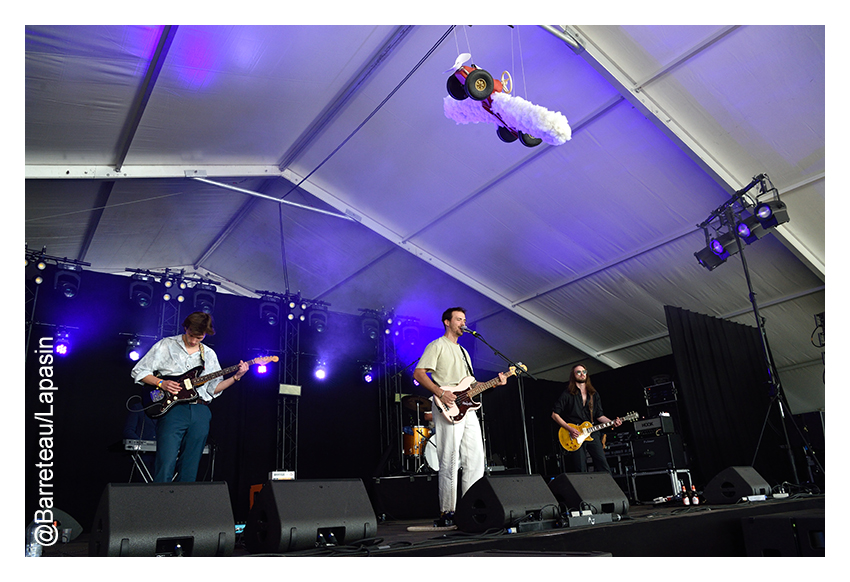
(480, 387)
(601, 426)
(206, 378)
(627, 418)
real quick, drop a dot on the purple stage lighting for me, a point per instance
(744, 230)
(716, 247)
(321, 371)
(262, 369)
(62, 347)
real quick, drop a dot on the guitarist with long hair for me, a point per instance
(578, 404)
(181, 433)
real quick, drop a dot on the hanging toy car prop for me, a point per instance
(476, 97)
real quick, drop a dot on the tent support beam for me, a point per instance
(140, 103)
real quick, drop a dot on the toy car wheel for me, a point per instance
(479, 84)
(505, 134)
(455, 89)
(529, 141)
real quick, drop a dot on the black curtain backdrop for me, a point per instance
(726, 396)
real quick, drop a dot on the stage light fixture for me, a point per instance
(708, 259)
(731, 226)
(317, 317)
(204, 297)
(369, 325)
(270, 311)
(133, 351)
(141, 290)
(321, 370)
(366, 373)
(772, 213)
(62, 343)
(67, 281)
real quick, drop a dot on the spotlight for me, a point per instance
(204, 297)
(317, 318)
(770, 214)
(62, 345)
(750, 230)
(321, 371)
(133, 351)
(270, 312)
(370, 328)
(366, 372)
(141, 291)
(708, 259)
(67, 281)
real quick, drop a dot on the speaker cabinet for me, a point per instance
(733, 483)
(597, 492)
(296, 515)
(406, 497)
(796, 533)
(163, 519)
(659, 453)
(495, 502)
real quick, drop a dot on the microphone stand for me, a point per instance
(519, 373)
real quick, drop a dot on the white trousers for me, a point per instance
(458, 445)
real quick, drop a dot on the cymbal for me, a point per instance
(413, 402)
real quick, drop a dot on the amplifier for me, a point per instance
(657, 426)
(659, 453)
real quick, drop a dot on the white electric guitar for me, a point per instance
(464, 391)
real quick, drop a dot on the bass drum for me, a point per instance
(431, 458)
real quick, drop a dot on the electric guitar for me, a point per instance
(464, 391)
(158, 401)
(585, 430)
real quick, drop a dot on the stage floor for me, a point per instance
(792, 526)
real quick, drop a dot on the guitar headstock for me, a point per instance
(265, 359)
(512, 370)
(630, 416)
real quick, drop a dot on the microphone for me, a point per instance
(467, 330)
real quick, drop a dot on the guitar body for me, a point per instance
(462, 404)
(573, 444)
(157, 408)
(585, 429)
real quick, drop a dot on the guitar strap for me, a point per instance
(466, 360)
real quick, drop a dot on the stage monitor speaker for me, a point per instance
(163, 519)
(302, 514)
(733, 483)
(597, 492)
(495, 502)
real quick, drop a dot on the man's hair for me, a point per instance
(447, 314)
(199, 323)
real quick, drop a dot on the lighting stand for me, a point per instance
(519, 373)
(773, 377)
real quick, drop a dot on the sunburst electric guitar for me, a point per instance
(188, 382)
(464, 391)
(585, 429)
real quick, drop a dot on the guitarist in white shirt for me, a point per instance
(580, 403)
(182, 433)
(443, 364)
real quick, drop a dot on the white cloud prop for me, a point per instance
(534, 120)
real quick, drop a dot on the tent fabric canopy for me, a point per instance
(210, 148)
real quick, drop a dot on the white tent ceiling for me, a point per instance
(199, 147)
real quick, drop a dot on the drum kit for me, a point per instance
(420, 441)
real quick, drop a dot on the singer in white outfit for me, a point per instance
(443, 364)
